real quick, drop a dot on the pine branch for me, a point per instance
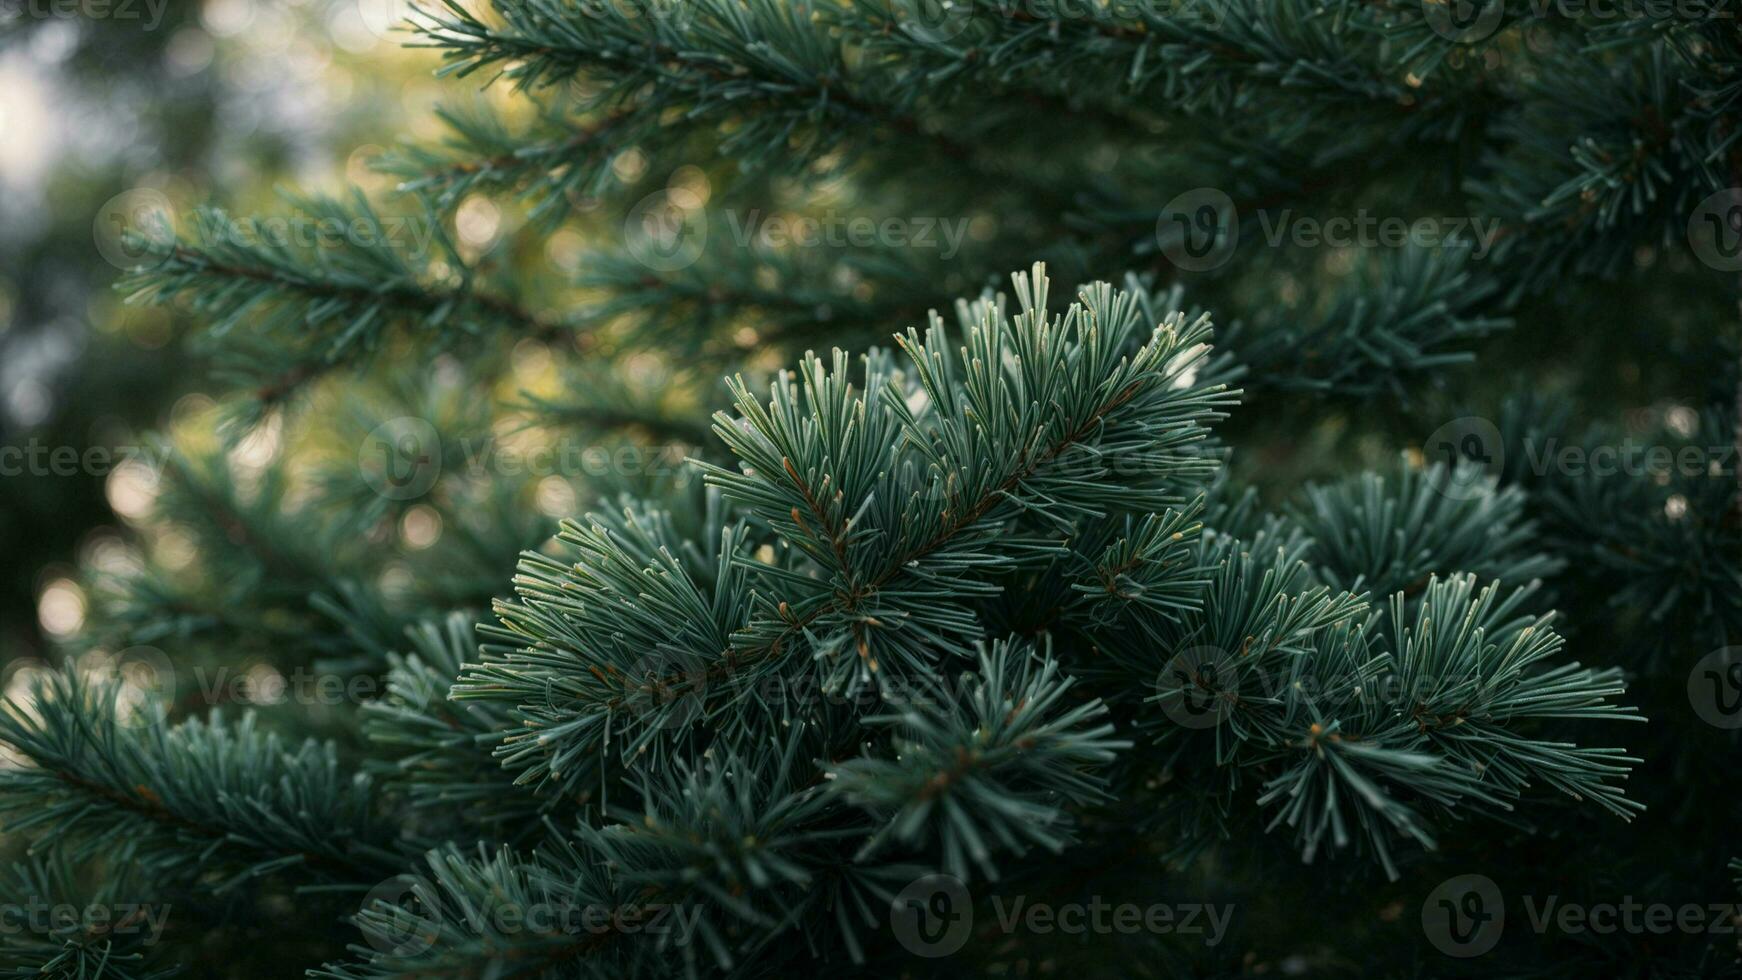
(329, 288)
(710, 60)
(1006, 743)
(1370, 534)
(187, 799)
(110, 932)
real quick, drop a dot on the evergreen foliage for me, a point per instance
(1160, 593)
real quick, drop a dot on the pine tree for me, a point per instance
(632, 571)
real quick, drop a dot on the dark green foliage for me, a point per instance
(202, 796)
(1048, 587)
(1369, 535)
(92, 930)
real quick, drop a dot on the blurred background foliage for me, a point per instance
(226, 101)
(231, 102)
(217, 101)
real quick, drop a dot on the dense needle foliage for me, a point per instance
(720, 565)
